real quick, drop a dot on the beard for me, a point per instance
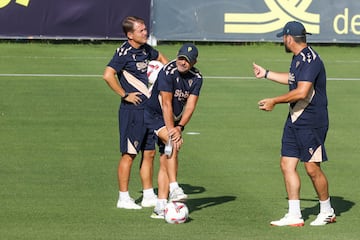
(287, 50)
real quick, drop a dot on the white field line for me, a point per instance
(48, 75)
(355, 61)
(100, 76)
(54, 57)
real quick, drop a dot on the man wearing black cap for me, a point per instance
(306, 126)
(170, 107)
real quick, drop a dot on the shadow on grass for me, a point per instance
(195, 204)
(339, 204)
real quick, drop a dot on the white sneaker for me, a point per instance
(289, 220)
(128, 204)
(158, 213)
(324, 218)
(177, 195)
(149, 202)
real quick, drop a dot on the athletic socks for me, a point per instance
(294, 207)
(124, 196)
(173, 186)
(161, 203)
(148, 193)
(325, 206)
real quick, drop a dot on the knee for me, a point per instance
(152, 155)
(149, 155)
(286, 168)
(311, 173)
(313, 170)
(127, 158)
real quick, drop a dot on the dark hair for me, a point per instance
(128, 23)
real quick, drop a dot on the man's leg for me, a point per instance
(163, 189)
(176, 192)
(292, 185)
(320, 183)
(291, 177)
(318, 179)
(124, 170)
(163, 179)
(146, 174)
(147, 169)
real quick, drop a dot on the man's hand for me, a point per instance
(133, 98)
(259, 71)
(267, 104)
(176, 138)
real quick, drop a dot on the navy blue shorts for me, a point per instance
(304, 144)
(154, 122)
(134, 136)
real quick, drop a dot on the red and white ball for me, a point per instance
(176, 212)
(153, 70)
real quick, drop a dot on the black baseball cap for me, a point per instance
(188, 51)
(293, 28)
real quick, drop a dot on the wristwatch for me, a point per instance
(181, 127)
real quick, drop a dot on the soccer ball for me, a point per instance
(153, 70)
(176, 212)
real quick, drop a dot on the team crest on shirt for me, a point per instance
(309, 57)
(177, 79)
(297, 64)
(190, 82)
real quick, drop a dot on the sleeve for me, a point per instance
(153, 53)
(309, 71)
(195, 90)
(165, 82)
(117, 62)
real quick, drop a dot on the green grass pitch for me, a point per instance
(59, 147)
